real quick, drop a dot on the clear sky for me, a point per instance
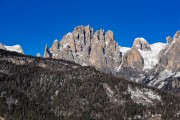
(33, 23)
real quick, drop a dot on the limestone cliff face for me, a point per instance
(86, 47)
(134, 58)
(99, 49)
(169, 57)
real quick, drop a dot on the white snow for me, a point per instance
(162, 76)
(109, 92)
(124, 50)
(56, 40)
(165, 74)
(177, 74)
(57, 92)
(69, 34)
(65, 45)
(84, 64)
(151, 57)
(107, 42)
(15, 48)
(161, 85)
(141, 39)
(167, 50)
(121, 64)
(144, 96)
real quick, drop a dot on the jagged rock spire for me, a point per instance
(55, 46)
(47, 53)
(2, 46)
(83, 46)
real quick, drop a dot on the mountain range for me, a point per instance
(88, 76)
(156, 65)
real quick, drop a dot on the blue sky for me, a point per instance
(33, 23)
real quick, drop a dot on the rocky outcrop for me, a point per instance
(135, 59)
(86, 47)
(169, 39)
(142, 44)
(55, 46)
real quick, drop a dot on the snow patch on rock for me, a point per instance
(160, 80)
(144, 96)
(177, 74)
(124, 50)
(15, 48)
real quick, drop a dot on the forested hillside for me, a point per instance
(34, 88)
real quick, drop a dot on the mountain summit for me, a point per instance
(86, 47)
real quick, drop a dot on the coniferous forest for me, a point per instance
(34, 88)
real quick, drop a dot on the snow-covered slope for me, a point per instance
(144, 96)
(150, 57)
(15, 48)
(124, 50)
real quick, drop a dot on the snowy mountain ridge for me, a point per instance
(14, 48)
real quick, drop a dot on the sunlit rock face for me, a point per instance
(86, 47)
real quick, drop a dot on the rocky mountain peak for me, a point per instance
(55, 46)
(141, 43)
(86, 47)
(109, 36)
(47, 53)
(177, 35)
(169, 39)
